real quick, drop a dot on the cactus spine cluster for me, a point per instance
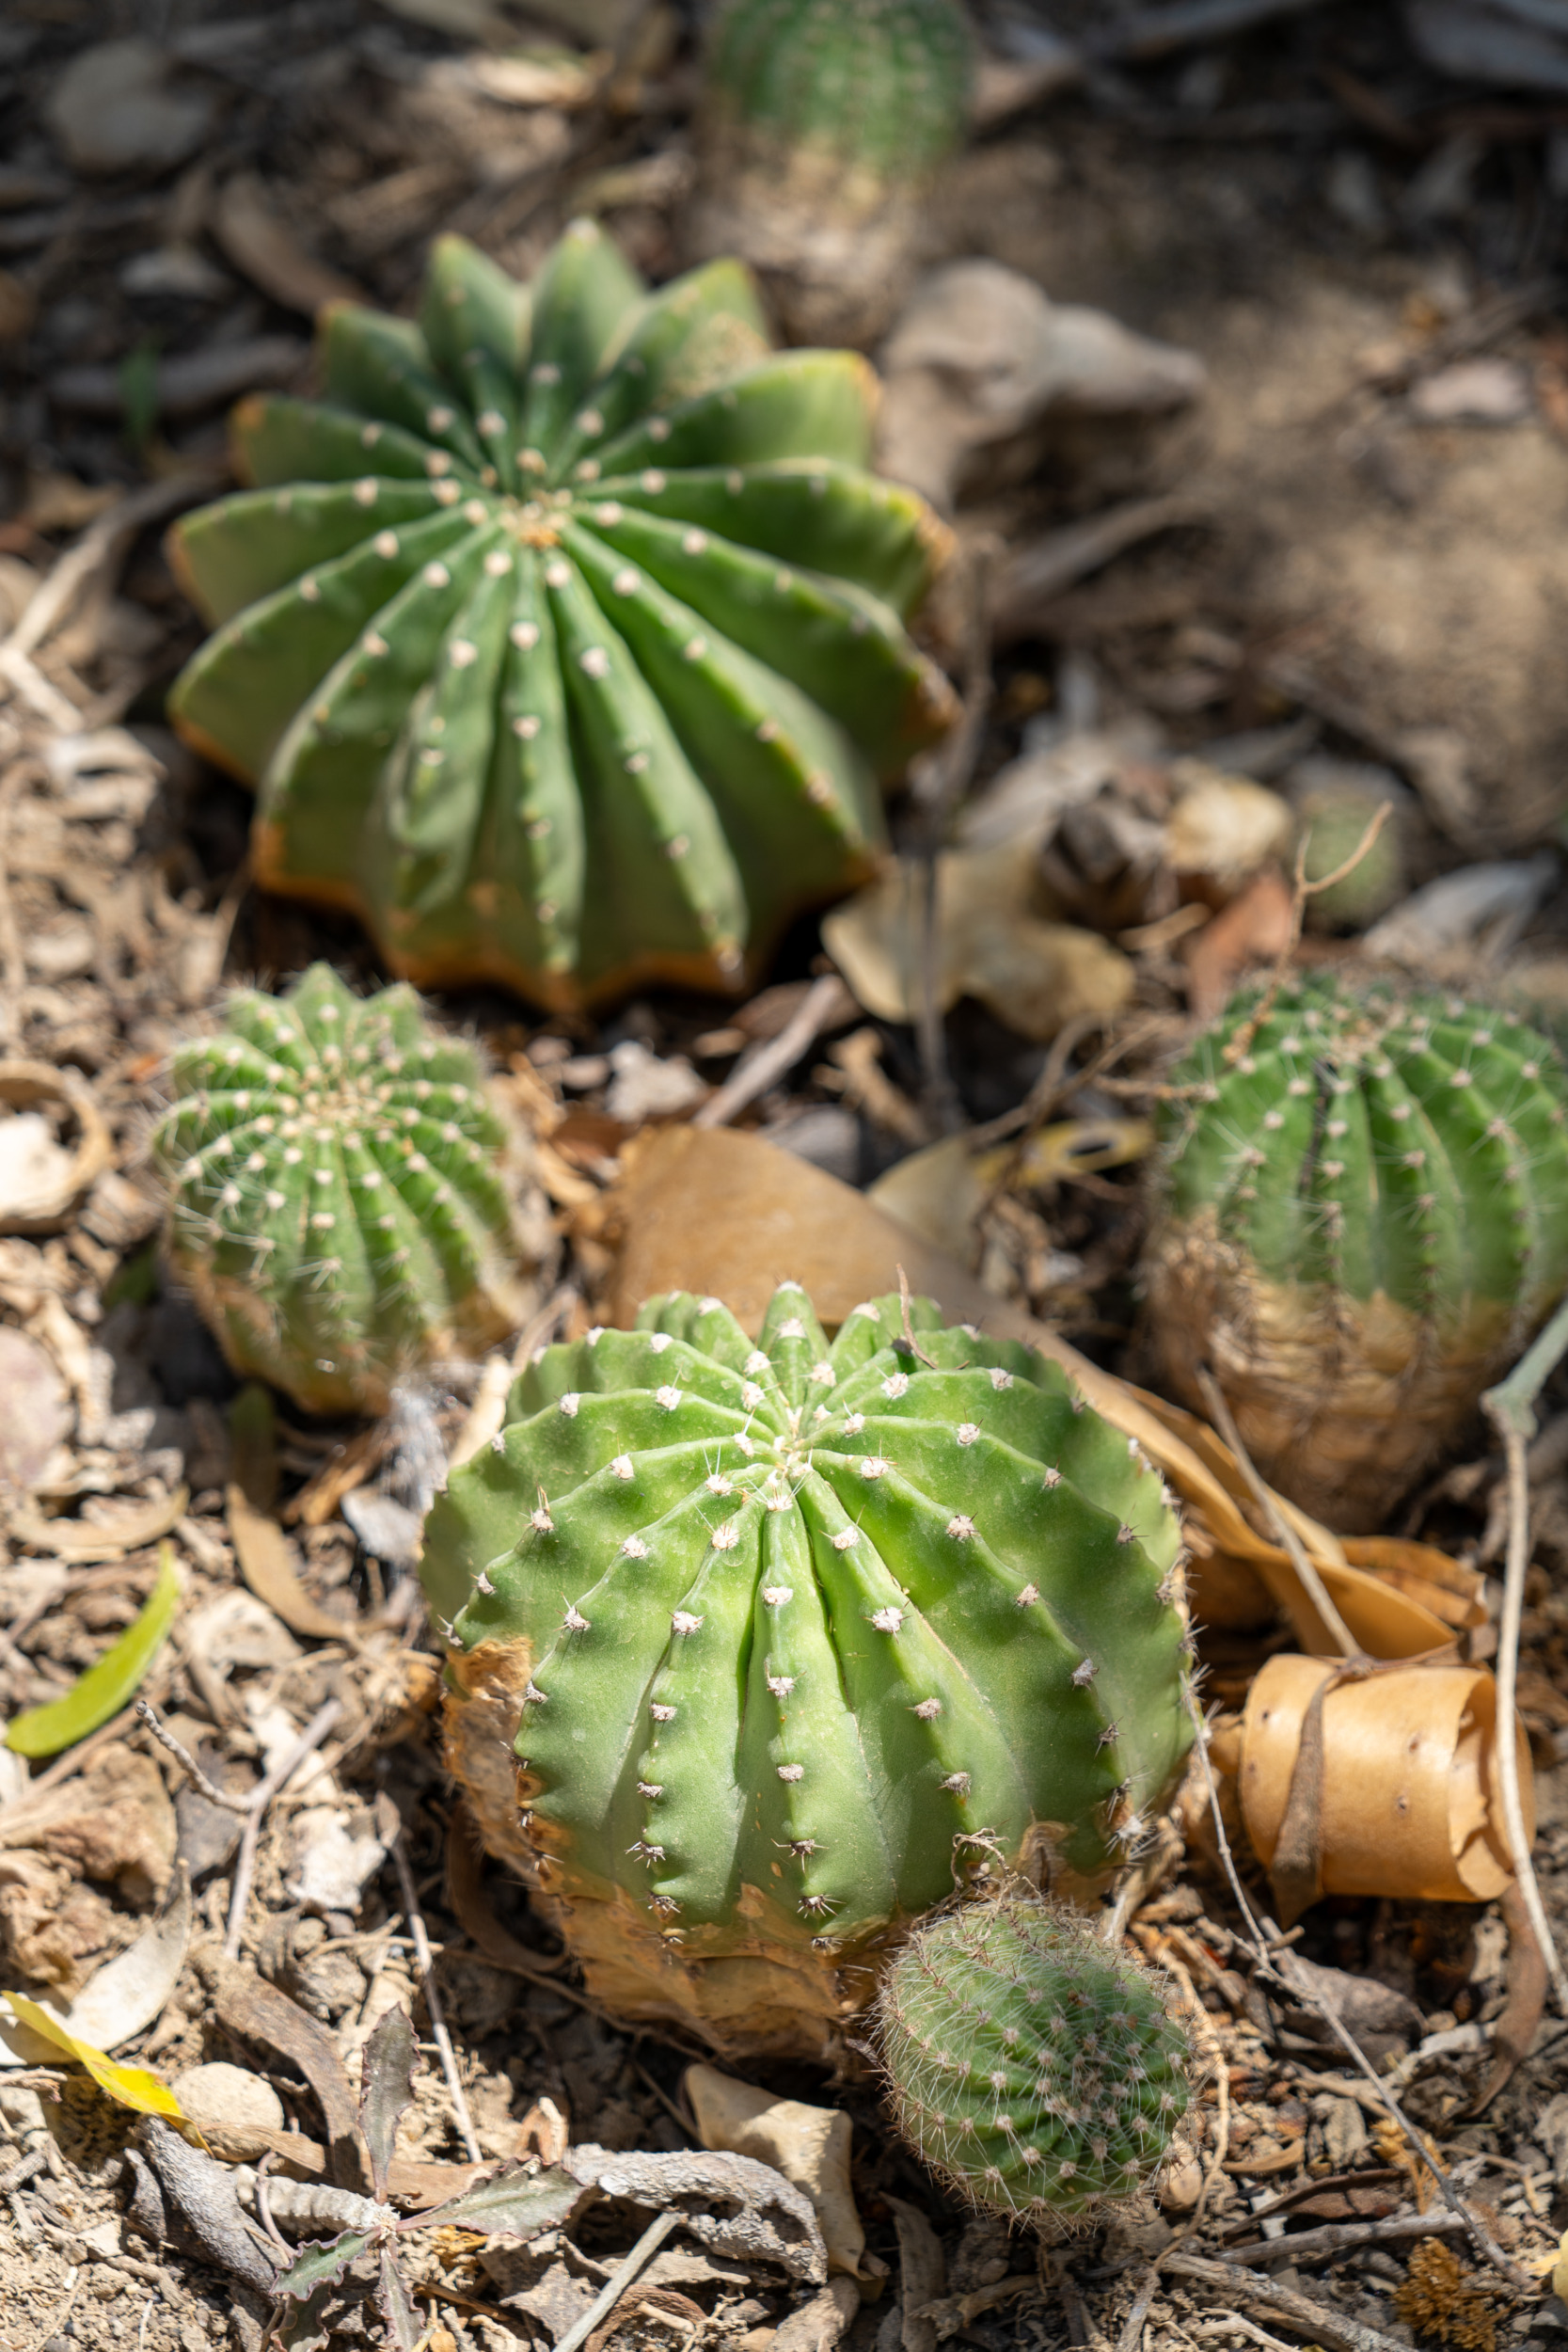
(785, 1632)
(1028, 2064)
(822, 123)
(337, 1195)
(1363, 1215)
(564, 640)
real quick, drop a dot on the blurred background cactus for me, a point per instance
(1362, 1217)
(1031, 2065)
(789, 1636)
(338, 1204)
(823, 123)
(565, 642)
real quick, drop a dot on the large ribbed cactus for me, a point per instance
(337, 1203)
(1363, 1215)
(564, 643)
(1030, 2065)
(822, 123)
(785, 1634)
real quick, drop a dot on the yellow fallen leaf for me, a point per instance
(132, 2085)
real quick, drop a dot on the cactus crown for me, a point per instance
(1379, 1142)
(335, 1199)
(565, 643)
(1030, 2065)
(799, 1626)
(873, 88)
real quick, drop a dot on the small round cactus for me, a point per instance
(787, 1635)
(822, 123)
(564, 640)
(337, 1196)
(1363, 1215)
(1028, 2064)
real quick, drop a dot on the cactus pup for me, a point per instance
(1032, 2067)
(1362, 1217)
(822, 125)
(788, 1637)
(337, 1195)
(564, 641)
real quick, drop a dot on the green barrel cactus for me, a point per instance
(822, 123)
(1027, 2063)
(564, 639)
(338, 1203)
(1362, 1217)
(784, 1635)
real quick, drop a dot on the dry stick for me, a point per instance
(1317, 1590)
(439, 2035)
(957, 757)
(1132, 2334)
(1241, 1041)
(615, 2286)
(147, 1715)
(541, 1329)
(1511, 1410)
(279, 1778)
(1309, 2245)
(1300, 1990)
(826, 1001)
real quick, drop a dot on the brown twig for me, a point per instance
(147, 1716)
(1340, 2237)
(826, 1004)
(1285, 1534)
(1511, 1410)
(615, 2286)
(438, 2032)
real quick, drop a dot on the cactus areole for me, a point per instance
(1363, 1218)
(563, 641)
(789, 1637)
(1031, 2065)
(338, 1203)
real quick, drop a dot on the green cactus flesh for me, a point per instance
(337, 1203)
(1028, 2064)
(565, 643)
(874, 89)
(785, 1626)
(1364, 1215)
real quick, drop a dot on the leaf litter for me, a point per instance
(1121, 647)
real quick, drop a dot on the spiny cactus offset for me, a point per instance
(1029, 2065)
(566, 642)
(822, 123)
(1363, 1217)
(338, 1206)
(783, 1633)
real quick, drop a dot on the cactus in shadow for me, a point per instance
(338, 1197)
(1029, 2064)
(1362, 1215)
(565, 642)
(786, 1635)
(822, 125)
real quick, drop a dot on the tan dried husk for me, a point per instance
(1407, 1805)
(1342, 1403)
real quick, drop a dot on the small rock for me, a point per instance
(1182, 2184)
(221, 2093)
(644, 1086)
(112, 110)
(1344, 2132)
(34, 1410)
(1474, 391)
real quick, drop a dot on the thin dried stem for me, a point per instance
(1285, 1534)
(1242, 1042)
(147, 1716)
(439, 2033)
(278, 1779)
(1510, 1408)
